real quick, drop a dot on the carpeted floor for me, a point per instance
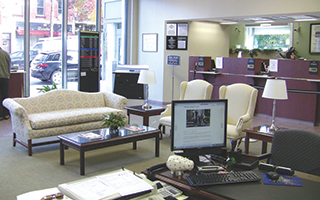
(21, 173)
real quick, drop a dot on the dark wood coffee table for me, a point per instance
(125, 136)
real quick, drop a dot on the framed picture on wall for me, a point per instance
(150, 42)
(314, 45)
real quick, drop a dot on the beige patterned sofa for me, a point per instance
(59, 112)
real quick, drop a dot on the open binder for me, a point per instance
(116, 184)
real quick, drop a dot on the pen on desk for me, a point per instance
(134, 173)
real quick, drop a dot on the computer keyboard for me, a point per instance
(203, 179)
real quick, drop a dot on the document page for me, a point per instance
(125, 182)
(92, 189)
(106, 186)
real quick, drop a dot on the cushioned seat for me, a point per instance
(60, 112)
(192, 90)
(242, 100)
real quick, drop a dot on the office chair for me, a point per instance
(192, 90)
(296, 149)
(242, 100)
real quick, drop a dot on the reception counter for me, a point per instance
(15, 84)
(302, 79)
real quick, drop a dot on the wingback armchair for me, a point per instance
(242, 100)
(192, 90)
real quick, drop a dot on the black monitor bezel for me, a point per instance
(199, 150)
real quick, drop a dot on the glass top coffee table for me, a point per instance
(73, 141)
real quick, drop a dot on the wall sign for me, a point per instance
(177, 36)
(173, 60)
(150, 42)
(314, 46)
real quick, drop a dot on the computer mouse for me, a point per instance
(273, 175)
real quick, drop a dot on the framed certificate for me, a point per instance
(314, 46)
(150, 42)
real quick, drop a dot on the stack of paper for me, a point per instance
(108, 186)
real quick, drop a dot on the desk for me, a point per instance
(245, 191)
(260, 133)
(138, 110)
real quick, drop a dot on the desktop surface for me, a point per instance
(245, 191)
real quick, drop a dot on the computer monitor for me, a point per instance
(213, 65)
(198, 127)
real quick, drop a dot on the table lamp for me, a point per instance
(147, 77)
(275, 89)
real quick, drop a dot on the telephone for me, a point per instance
(166, 190)
(160, 192)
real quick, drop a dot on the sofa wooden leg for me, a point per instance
(14, 139)
(29, 147)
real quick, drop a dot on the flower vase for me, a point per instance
(113, 130)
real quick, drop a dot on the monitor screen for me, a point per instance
(198, 127)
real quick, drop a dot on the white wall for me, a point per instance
(153, 14)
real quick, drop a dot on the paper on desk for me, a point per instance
(108, 186)
(92, 189)
(125, 182)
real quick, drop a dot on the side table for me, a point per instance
(260, 133)
(138, 110)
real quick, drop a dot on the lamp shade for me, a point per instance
(147, 77)
(275, 89)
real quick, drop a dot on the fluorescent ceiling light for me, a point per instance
(228, 22)
(260, 22)
(265, 25)
(302, 20)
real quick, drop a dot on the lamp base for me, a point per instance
(146, 106)
(273, 127)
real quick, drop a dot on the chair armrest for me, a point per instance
(167, 111)
(242, 120)
(114, 100)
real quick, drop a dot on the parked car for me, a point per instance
(17, 58)
(47, 66)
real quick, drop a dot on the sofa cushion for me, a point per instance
(70, 117)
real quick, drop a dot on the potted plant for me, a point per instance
(47, 88)
(113, 122)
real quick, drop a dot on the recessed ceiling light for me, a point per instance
(226, 23)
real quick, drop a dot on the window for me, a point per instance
(273, 37)
(59, 7)
(40, 7)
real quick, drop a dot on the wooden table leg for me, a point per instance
(247, 141)
(134, 144)
(264, 147)
(82, 162)
(157, 145)
(61, 153)
(146, 120)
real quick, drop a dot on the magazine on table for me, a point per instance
(134, 128)
(90, 136)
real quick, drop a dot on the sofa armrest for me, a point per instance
(15, 108)
(114, 100)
